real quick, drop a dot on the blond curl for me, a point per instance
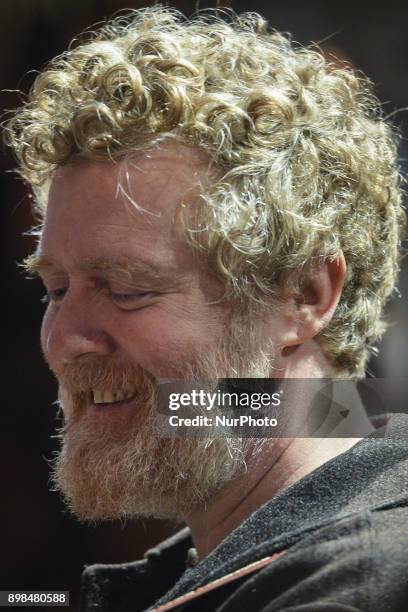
(309, 162)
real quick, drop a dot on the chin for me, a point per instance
(143, 476)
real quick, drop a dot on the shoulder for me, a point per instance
(349, 564)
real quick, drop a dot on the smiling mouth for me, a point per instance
(103, 398)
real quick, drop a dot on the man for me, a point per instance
(216, 202)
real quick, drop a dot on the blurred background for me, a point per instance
(42, 546)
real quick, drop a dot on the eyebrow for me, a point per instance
(36, 264)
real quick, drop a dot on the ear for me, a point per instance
(314, 306)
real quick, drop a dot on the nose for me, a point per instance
(74, 328)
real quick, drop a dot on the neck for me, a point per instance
(281, 463)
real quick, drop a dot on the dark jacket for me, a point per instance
(344, 528)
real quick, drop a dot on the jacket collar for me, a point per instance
(366, 477)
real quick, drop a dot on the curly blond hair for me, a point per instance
(309, 163)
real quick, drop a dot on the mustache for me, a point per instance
(103, 373)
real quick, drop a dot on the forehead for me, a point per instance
(154, 181)
(128, 206)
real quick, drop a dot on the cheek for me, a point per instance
(158, 337)
(156, 341)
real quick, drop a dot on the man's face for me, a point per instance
(131, 304)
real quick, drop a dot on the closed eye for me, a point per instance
(132, 299)
(55, 295)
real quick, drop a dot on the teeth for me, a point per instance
(109, 397)
(98, 396)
